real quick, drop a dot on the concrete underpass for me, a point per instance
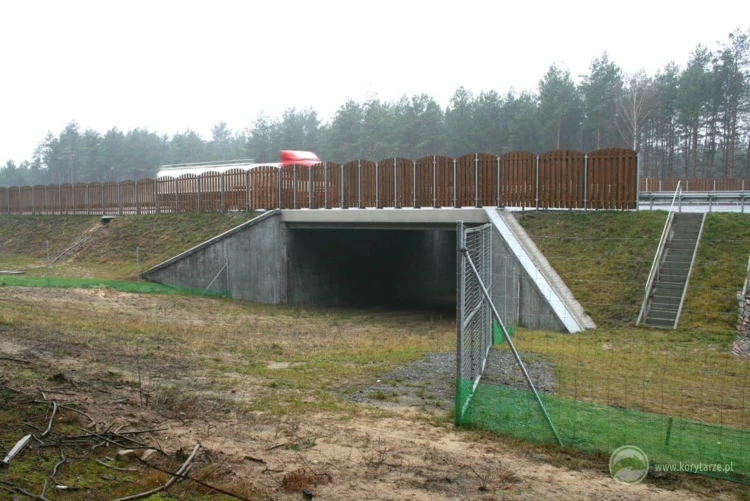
(394, 259)
(381, 267)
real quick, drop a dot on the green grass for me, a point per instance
(110, 250)
(603, 256)
(94, 283)
(718, 273)
(592, 427)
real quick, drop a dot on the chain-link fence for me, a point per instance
(473, 314)
(682, 395)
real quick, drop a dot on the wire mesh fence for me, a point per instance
(474, 317)
(681, 394)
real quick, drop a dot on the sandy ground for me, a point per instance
(379, 454)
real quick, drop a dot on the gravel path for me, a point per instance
(430, 382)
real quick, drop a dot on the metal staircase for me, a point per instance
(668, 280)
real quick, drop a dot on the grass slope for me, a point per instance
(603, 256)
(110, 252)
(718, 273)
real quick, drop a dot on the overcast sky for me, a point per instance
(169, 66)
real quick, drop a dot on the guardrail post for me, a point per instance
(714, 184)
(454, 182)
(659, 184)
(476, 179)
(536, 199)
(434, 169)
(680, 206)
(376, 185)
(586, 181)
(687, 184)
(742, 210)
(710, 203)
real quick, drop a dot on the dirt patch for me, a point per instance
(212, 386)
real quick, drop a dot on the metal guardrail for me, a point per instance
(710, 198)
(658, 256)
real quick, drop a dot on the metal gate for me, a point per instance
(473, 313)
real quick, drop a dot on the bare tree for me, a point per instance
(630, 101)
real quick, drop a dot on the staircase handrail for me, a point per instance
(659, 252)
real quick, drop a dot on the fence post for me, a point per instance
(325, 185)
(135, 195)
(59, 198)
(434, 181)
(476, 179)
(46, 211)
(638, 181)
(359, 184)
(460, 298)
(72, 195)
(454, 182)
(687, 184)
(537, 183)
(222, 192)
(309, 187)
(659, 184)
(101, 195)
(156, 195)
(413, 183)
(279, 187)
(585, 181)
(341, 170)
(33, 208)
(198, 189)
(376, 185)
(395, 184)
(88, 203)
(294, 186)
(714, 184)
(497, 203)
(247, 191)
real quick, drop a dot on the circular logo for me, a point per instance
(628, 464)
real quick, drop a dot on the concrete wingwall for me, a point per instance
(526, 289)
(253, 253)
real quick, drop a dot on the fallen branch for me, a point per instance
(178, 474)
(115, 467)
(51, 418)
(23, 491)
(19, 360)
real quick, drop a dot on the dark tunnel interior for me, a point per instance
(388, 268)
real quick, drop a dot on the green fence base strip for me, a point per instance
(463, 395)
(593, 427)
(93, 283)
(497, 333)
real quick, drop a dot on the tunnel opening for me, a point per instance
(372, 268)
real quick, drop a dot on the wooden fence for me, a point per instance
(603, 179)
(649, 184)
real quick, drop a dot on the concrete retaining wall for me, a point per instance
(254, 253)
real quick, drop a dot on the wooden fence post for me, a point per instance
(585, 181)
(536, 197)
(476, 179)
(454, 182)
